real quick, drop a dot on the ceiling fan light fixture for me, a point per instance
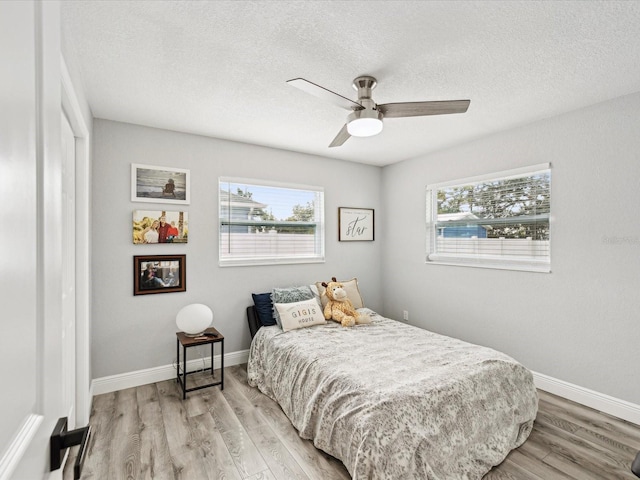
(364, 123)
(365, 119)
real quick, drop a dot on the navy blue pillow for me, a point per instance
(264, 308)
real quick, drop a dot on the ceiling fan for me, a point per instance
(365, 120)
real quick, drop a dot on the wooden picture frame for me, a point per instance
(154, 184)
(159, 274)
(356, 224)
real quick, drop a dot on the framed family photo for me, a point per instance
(159, 184)
(160, 226)
(355, 224)
(159, 274)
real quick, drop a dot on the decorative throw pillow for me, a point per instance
(264, 308)
(289, 295)
(300, 314)
(350, 286)
(316, 293)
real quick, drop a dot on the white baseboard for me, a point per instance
(160, 374)
(590, 398)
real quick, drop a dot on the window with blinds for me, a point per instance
(494, 221)
(269, 223)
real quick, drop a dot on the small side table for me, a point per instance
(186, 342)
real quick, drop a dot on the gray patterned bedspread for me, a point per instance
(393, 401)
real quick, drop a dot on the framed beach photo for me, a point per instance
(159, 184)
(355, 224)
(160, 226)
(159, 274)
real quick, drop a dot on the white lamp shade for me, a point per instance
(194, 319)
(364, 127)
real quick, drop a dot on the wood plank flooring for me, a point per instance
(149, 432)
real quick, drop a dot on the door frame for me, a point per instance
(71, 109)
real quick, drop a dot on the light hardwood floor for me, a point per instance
(149, 432)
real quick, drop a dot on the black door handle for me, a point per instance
(61, 439)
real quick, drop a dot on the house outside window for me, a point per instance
(264, 222)
(499, 220)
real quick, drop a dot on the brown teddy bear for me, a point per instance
(339, 308)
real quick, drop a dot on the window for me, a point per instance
(269, 223)
(493, 221)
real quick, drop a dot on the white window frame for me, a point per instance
(529, 264)
(253, 260)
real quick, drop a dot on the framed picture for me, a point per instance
(160, 226)
(159, 274)
(355, 224)
(159, 184)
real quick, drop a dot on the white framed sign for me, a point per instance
(355, 224)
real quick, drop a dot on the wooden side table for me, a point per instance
(186, 342)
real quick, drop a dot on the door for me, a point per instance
(31, 236)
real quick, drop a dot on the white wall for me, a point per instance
(579, 324)
(132, 333)
(68, 52)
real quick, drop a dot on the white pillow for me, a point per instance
(299, 314)
(316, 294)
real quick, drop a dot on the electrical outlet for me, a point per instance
(405, 315)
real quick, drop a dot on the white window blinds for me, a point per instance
(497, 221)
(266, 223)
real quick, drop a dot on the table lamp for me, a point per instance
(194, 319)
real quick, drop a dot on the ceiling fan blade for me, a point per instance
(342, 136)
(419, 109)
(324, 94)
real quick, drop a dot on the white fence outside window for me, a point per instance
(489, 247)
(268, 244)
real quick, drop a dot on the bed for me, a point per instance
(393, 401)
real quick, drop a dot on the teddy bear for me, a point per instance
(339, 308)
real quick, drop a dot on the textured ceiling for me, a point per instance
(218, 68)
